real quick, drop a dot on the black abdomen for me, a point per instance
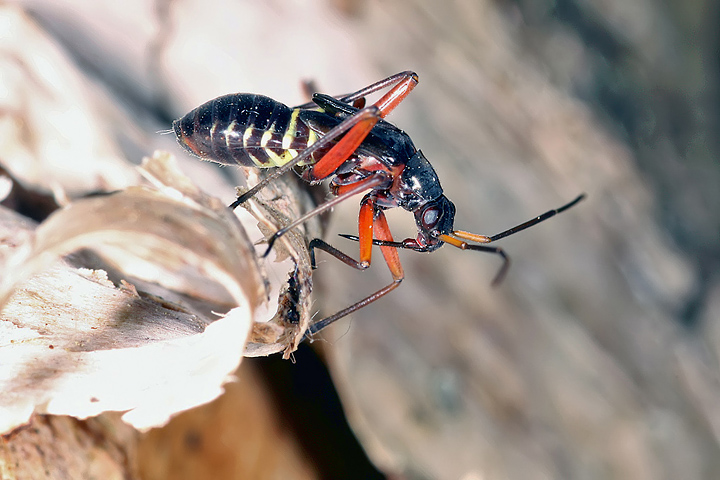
(244, 129)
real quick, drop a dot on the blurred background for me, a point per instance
(598, 357)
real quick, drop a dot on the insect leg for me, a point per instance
(370, 182)
(350, 98)
(365, 227)
(397, 94)
(330, 162)
(363, 118)
(404, 82)
(340, 255)
(342, 150)
(381, 229)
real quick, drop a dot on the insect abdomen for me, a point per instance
(244, 129)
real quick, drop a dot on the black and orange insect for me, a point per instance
(342, 139)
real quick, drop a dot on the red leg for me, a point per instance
(381, 229)
(365, 230)
(378, 178)
(326, 166)
(341, 151)
(356, 99)
(369, 115)
(397, 94)
(382, 232)
(403, 83)
(365, 239)
(357, 127)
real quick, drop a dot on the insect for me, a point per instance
(342, 139)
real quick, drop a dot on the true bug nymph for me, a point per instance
(339, 138)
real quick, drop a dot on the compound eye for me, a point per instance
(430, 217)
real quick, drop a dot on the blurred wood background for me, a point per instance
(598, 357)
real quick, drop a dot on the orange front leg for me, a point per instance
(382, 231)
(402, 83)
(371, 219)
(397, 94)
(365, 229)
(326, 166)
